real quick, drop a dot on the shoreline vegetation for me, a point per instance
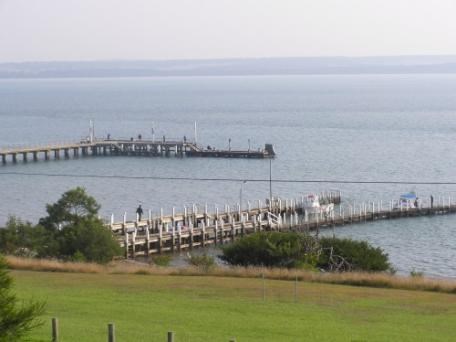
(363, 279)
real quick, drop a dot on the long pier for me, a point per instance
(126, 147)
(196, 227)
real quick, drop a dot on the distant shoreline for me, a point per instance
(232, 67)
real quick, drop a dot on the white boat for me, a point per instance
(313, 206)
(407, 201)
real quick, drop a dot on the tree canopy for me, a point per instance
(72, 207)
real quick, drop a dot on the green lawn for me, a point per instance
(145, 307)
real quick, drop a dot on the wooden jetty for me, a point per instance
(194, 227)
(197, 227)
(127, 147)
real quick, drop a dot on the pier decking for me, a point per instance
(126, 147)
(194, 228)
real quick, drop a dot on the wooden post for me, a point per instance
(170, 336)
(111, 333)
(55, 329)
(222, 233)
(172, 236)
(203, 235)
(126, 243)
(147, 240)
(216, 232)
(160, 237)
(179, 237)
(133, 241)
(173, 218)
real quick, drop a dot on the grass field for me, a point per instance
(198, 308)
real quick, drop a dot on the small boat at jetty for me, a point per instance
(313, 206)
(407, 201)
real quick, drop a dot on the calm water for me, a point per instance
(388, 127)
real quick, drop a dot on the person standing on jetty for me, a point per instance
(139, 212)
(432, 201)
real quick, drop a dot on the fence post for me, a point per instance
(55, 330)
(111, 333)
(170, 336)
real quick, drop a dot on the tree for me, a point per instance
(88, 240)
(79, 233)
(15, 321)
(24, 239)
(73, 206)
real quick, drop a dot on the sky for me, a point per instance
(49, 30)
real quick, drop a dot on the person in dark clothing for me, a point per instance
(139, 212)
(432, 201)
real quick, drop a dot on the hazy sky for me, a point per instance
(32, 30)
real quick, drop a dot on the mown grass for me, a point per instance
(207, 308)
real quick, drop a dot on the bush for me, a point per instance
(416, 274)
(273, 249)
(204, 262)
(161, 260)
(23, 239)
(294, 250)
(351, 255)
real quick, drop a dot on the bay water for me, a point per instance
(333, 127)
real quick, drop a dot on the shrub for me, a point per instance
(351, 255)
(23, 239)
(161, 260)
(295, 250)
(204, 262)
(416, 274)
(273, 249)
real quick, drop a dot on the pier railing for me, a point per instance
(194, 228)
